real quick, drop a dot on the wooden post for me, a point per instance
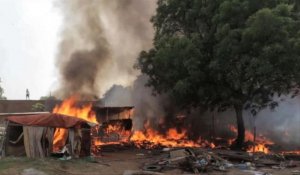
(3, 139)
(254, 138)
(213, 126)
(107, 114)
(130, 111)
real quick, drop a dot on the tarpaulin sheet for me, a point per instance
(47, 120)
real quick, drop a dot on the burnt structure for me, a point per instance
(34, 135)
(116, 123)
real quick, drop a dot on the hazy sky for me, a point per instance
(29, 35)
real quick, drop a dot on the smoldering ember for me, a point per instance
(156, 87)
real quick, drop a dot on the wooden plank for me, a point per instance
(3, 139)
(38, 137)
(26, 141)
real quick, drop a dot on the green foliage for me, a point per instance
(38, 107)
(1, 93)
(224, 53)
(47, 97)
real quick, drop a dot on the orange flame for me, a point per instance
(173, 138)
(59, 139)
(68, 107)
(261, 141)
(114, 128)
(259, 147)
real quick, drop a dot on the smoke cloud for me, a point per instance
(100, 42)
(147, 106)
(281, 125)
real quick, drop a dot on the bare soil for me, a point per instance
(112, 163)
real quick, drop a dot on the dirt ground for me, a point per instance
(112, 163)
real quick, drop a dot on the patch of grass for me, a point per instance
(51, 166)
(11, 162)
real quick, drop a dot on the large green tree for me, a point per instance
(1, 93)
(225, 53)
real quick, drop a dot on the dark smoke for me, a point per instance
(147, 106)
(100, 41)
(83, 49)
(118, 95)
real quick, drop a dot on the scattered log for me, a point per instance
(267, 162)
(113, 147)
(234, 155)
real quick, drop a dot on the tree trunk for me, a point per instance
(240, 125)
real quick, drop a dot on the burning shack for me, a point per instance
(45, 134)
(72, 129)
(116, 123)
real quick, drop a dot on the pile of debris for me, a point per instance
(199, 160)
(189, 160)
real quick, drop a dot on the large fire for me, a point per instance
(151, 138)
(147, 138)
(69, 108)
